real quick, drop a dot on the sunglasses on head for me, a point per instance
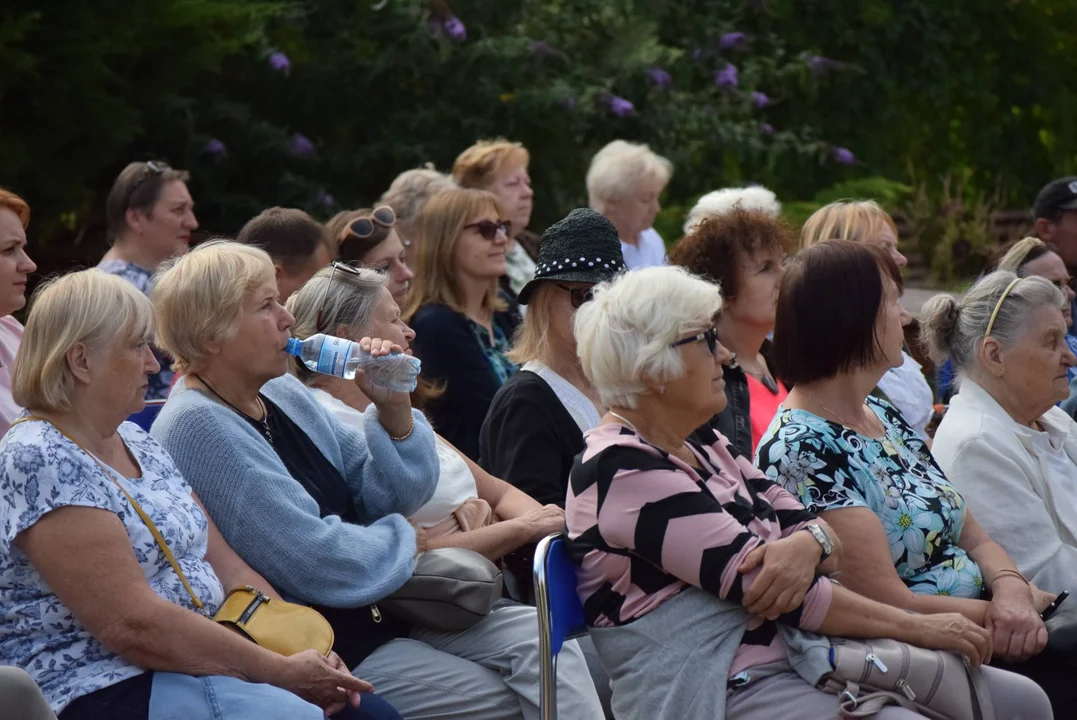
(337, 265)
(711, 336)
(488, 228)
(578, 296)
(366, 225)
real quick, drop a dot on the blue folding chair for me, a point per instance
(560, 614)
(144, 418)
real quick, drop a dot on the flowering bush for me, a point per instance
(320, 103)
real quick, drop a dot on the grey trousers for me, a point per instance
(789, 697)
(488, 672)
(20, 697)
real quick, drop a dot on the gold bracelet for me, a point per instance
(1014, 573)
(406, 435)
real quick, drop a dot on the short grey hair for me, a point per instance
(722, 201)
(411, 190)
(624, 335)
(618, 168)
(955, 329)
(351, 301)
(88, 306)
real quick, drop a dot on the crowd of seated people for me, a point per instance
(720, 434)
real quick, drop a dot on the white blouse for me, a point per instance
(579, 406)
(456, 484)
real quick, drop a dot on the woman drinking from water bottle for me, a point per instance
(319, 508)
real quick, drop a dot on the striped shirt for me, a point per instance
(643, 525)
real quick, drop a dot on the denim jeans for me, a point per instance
(183, 697)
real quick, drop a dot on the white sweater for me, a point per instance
(1023, 497)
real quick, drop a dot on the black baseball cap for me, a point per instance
(1060, 194)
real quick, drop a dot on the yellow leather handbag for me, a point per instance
(283, 627)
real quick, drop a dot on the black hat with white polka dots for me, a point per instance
(583, 247)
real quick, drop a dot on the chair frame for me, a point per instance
(547, 657)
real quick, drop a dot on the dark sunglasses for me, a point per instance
(337, 265)
(366, 225)
(578, 296)
(488, 228)
(711, 336)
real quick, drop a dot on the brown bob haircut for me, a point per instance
(716, 247)
(290, 236)
(829, 300)
(349, 248)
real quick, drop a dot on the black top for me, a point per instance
(529, 439)
(453, 353)
(735, 422)
(358, 631)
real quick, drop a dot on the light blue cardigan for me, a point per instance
(269, 519)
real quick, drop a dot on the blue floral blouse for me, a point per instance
(828, 466)
(41, 471)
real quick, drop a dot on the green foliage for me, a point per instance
(888, 193)
(917, 90)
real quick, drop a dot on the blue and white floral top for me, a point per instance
(161, 382)
(828, 466)
(41, 471)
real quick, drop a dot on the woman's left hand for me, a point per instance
(394, 408)
(352, 695)
(788, 571)
(1016, 628)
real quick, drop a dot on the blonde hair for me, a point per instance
(855, 220)
(440, 225)
(624, 335)
(90, 307)
(619, 167)
(533, 334)
(1016, 257)
(14, 203)
(198, 298)
(476, 166)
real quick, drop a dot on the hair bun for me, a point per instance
(938, 325)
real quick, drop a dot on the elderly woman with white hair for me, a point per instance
(624, 183)
(90, 604)
(696, 608)
(1003, 443)
(720, 202)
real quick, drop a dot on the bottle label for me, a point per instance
(333, 356)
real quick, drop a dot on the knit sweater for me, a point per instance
(269, 519)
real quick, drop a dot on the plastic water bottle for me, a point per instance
(341, 358)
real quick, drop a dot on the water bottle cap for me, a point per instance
(294, 346)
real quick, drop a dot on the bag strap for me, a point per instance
(134, 504)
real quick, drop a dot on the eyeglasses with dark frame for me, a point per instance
(366, 225)
(337, 265)
(488, 228)
(578, 296)
(711, 336)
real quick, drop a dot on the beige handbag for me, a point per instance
(872, 674)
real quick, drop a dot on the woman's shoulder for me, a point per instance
(524, 387)
(434, 312)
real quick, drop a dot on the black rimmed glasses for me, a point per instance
(337, 265)
(365, 226)
(711, 336)
(488, 228)
(578, 296)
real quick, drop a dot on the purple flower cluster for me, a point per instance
(454, 28)
(726, 78)
(661, 79)
(621, 107)
(732, 40)
(324, 199)
(843, 156)
(767, 129)
(280, 62)
(760, 100)
(215, 148)
(300, 145)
